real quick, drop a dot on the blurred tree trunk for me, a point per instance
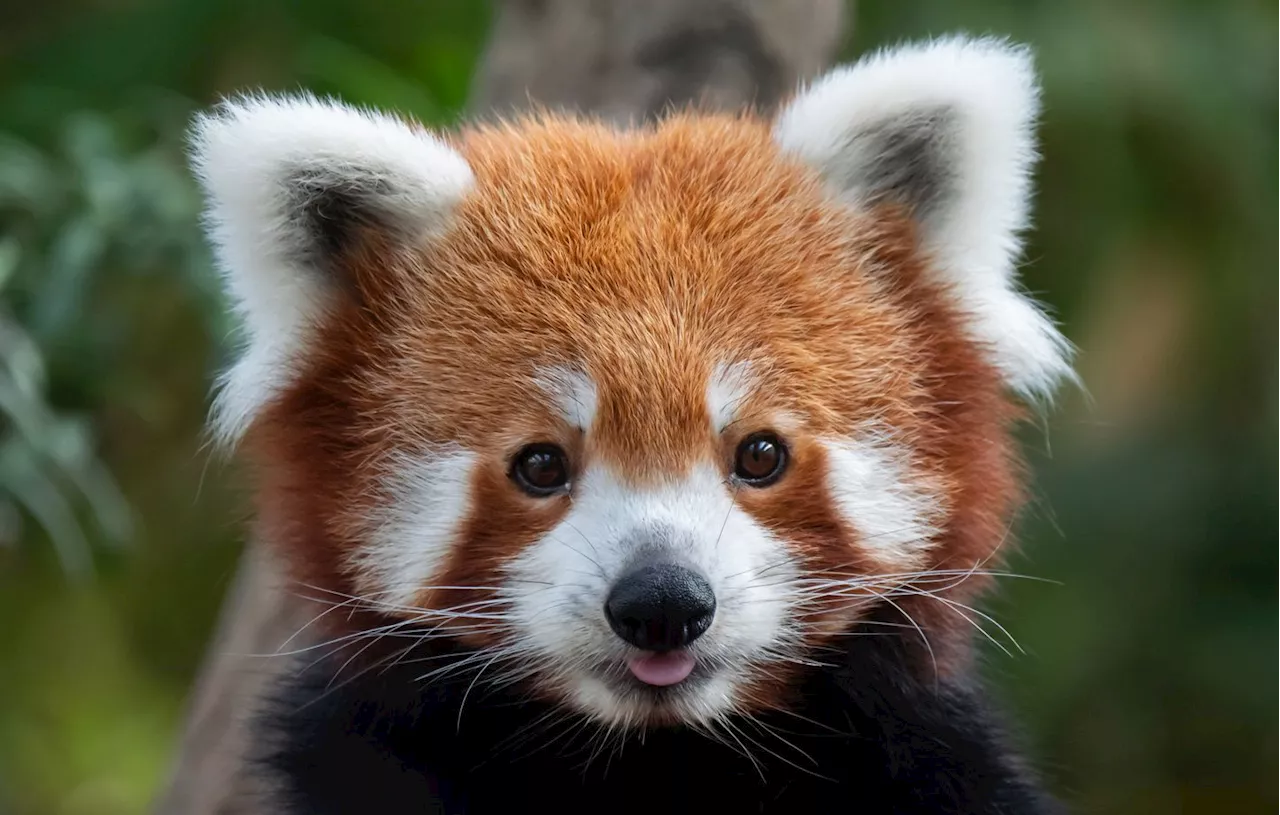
(619, 59)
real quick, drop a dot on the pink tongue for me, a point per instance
(662, 669)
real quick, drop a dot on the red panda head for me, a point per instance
(646, 417)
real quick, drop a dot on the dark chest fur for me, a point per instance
(868, 738)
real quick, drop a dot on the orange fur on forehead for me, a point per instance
(647, 258)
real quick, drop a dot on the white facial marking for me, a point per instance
(575, 394)
(729, 386)
(697, 522)
(413, 530)
(895, 511)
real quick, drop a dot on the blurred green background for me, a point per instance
(1150, 679)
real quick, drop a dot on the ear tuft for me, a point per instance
(944, 130)
(291, 183)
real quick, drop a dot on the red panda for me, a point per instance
(681, 449)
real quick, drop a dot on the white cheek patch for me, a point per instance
(559, 585)
(574, 391)
(895, 511)
(411, 533)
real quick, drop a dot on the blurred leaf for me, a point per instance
(352, 75)
(10, 252)
(107, 202)
(77, 249)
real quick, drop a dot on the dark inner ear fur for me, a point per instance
(908, 162)
(330, 213)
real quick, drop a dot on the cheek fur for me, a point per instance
(847, 509)
(502, 524)
(895, 510)
(411, 531)
(799, 510)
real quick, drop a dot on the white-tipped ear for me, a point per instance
(290, 182)
(944, 130)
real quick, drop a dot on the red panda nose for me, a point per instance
(660, 607)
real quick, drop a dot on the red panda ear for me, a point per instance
(290, 183)
(944, 130)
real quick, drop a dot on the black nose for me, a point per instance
(661, 607)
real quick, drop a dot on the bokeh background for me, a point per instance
(1149, 682)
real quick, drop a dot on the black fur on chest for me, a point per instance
(868, 737)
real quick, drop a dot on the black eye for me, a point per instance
(541, 469)
(760, 460)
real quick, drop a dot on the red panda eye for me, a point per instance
(541, 470)
(761, 458)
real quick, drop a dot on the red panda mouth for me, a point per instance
(662, 669)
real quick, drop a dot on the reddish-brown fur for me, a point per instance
(646, 258)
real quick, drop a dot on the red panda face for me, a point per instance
(647, 418)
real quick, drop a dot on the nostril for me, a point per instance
(661, 607)
(697, 626)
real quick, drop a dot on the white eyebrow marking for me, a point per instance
(729, 386)
(574, 391)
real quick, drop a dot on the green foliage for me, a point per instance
(91, 206)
